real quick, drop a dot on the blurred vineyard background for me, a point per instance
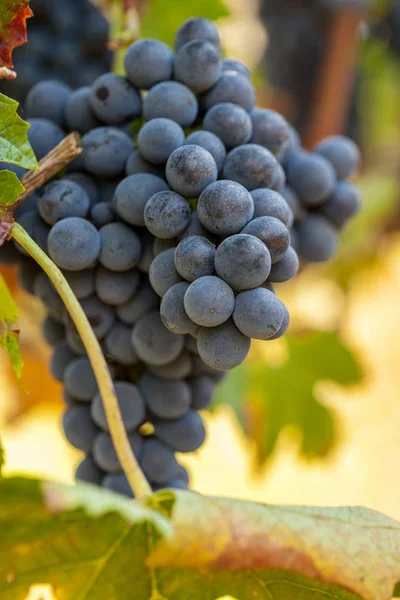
(313, 418)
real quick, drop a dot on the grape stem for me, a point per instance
(130, 466)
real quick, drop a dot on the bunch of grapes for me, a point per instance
(171, 228)
(67, 41)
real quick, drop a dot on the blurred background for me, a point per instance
(313, 418)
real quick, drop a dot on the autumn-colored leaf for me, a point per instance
(90, 543)
(13, 15)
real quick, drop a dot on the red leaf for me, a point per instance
(13, 15)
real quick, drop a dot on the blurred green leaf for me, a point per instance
(268, 399)
(9, 338)
(10, 188)
(14, 144)
(162, 19)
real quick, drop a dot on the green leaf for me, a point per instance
(92, 544)
(10, 188)
(14, 144)
(9, 340)
(277, 398)
(162, 19)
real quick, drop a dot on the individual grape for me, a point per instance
(173, 484)
(104, 453)
(166, 399)
(61, 199)
(209, 301)
(144, 300)
(48, 100)
(68, 399)
(158, 139)
(74, 244)
(341, 152)
(198, 65)
(197, 28)
(133, 193)
(171, 100)
(186, 434)
(163, 274)
(180, 368)
(173, 312)
(81, 282)
(89, 472)
(160, 245)
(120, 247)
(43, 136)
(118, 483)
(243, 261)
(209, 141)
(223, 347)
(270, 130)
(119, 346)
(147, 241)
(200, 368)
(258, 313)
(37, 229)
(79, 428)
(74, 342)
(101, 214)
(293, 201)
(116, 288)
(52, 331)
(280, 179)
(231, 87)
(131, 405)
(166, 214)
(137, 164)
(190, 169)
(286, 268)
(87, 183)
(268, 203)
(158, 461)
(225, 207)
(285, 324)
(80, 380)
(153, 343)
(272, 232)
(148, 62)
(105, 151)
(194, 227)
(343, 204)
(44, 289)
(78, 113)
(232, 64)
(114, 100)
(100, 316)
(312, 177)
(316, 239)
(61, 358)
(229, 122)
(202, 392)
(194, 257)
(251, 165)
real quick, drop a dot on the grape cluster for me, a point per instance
(171, 228)
(67, 41)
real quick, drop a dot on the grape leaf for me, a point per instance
(14, 144)
(10, 188)
(90, 543)
(162, 19)
(9, 339)
(13, 15)
(267, 399)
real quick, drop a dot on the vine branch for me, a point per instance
(129, 464)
